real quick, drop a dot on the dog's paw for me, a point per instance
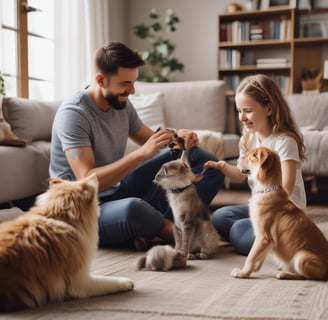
(280, 275)
(285, 275)
(125, 284)
(237, 273)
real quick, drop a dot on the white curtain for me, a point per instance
(81, 26)
(1, 41)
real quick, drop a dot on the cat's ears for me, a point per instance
(184, 157)
(197, 177)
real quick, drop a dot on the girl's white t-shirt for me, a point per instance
(287, 149)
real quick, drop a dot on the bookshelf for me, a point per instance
(268, 41)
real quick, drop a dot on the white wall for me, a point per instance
(196, 37)
(118, 20)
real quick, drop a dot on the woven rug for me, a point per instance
(204, 290)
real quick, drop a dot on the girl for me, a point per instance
(267, 121)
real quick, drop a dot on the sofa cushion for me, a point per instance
(190, 104)
(30, 119)
(316, 143)
(149, 108)
(309, 111)
(25, 171)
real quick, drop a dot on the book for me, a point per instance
(271, 65)
(271, 60)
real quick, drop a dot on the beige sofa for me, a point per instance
(198, 105)
(311, 114)
(24, 171)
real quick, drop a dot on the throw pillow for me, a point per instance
(7, 136)
(30, 119)
(149, 108)
(211, 141)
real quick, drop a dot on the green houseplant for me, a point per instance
(160, 63)
(2, 85)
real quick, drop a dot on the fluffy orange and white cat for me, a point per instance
(45, 254)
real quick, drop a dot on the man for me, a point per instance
(89, 135)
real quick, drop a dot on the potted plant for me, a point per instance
(2, 85)
(160, 63)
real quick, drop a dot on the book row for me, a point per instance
(283, 82)
(239, 31)
(234, 58)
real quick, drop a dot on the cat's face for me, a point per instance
(175, 174)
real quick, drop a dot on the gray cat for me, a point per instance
(194, 233)
(161, 258)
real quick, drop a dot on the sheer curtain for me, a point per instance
(81, 26)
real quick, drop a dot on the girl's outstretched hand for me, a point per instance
(215, 164)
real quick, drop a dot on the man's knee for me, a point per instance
(123, 220)
(143, 218)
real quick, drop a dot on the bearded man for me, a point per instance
(89, 135)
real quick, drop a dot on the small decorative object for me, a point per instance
(252, 5)
(305, 4)
(268, 4)
(325, 70)
(311, 81)
(235, 6)
(310, 29)
(158, 57)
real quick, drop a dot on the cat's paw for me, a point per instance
(191, 256)
(202, 256)
(238, 273)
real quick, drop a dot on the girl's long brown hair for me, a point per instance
(265, 91)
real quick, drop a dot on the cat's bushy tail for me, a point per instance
(140, 263)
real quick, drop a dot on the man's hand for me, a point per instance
(160, 139)
(190, 138)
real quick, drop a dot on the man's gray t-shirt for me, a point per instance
(80, 123)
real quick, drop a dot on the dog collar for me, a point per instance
(179, 190)
(269, 189)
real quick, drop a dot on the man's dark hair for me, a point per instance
(114, 55)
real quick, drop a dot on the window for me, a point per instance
(27, 48)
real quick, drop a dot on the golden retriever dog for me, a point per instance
(45, 254)
(279, 225)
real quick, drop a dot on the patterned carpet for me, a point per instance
(203, 290)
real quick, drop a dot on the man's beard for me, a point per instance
(114, 102)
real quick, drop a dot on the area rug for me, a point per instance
(204, 290)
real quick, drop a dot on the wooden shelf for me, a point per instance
(254, 68)
(257, 43)
(309, 41)
(274, 35)
(249, 15)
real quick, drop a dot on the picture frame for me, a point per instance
(312, 29)
(279, 4)
(305, 4)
